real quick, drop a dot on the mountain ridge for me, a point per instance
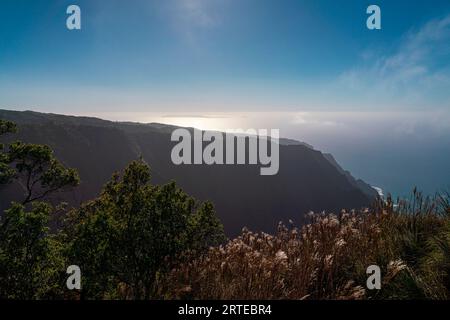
(96, 148)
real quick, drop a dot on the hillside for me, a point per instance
(307, 180)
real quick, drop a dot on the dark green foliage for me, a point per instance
(134, 232)
(6, 172)
(435, 264)
(30, 259)
(124, 241)
(42, 174)
(7, 127)
(39, 172)
(418, 232)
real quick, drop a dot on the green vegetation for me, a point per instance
(6, 173)
(30, 256)
(141, 241)
(124, 241)
(134, 233)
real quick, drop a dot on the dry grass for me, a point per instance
(325, 259)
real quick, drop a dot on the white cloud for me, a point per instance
(312, 119)
(193, 17)
(197, 12)
(416, 72)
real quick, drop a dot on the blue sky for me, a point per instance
(224, 55)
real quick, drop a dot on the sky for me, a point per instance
(378, 100)
(224, 56)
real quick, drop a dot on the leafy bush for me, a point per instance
(30, 257)
(131, 235)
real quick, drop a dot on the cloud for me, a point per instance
(417, 71)
(197, 12)
(203, 116)
(315, 119)
(193, 17)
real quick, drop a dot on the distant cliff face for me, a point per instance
(96, 148)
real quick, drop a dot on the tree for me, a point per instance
(30, 259)
(34, 166)
(6, 172)
(124, 241)
(132, 234)
(42, 173)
